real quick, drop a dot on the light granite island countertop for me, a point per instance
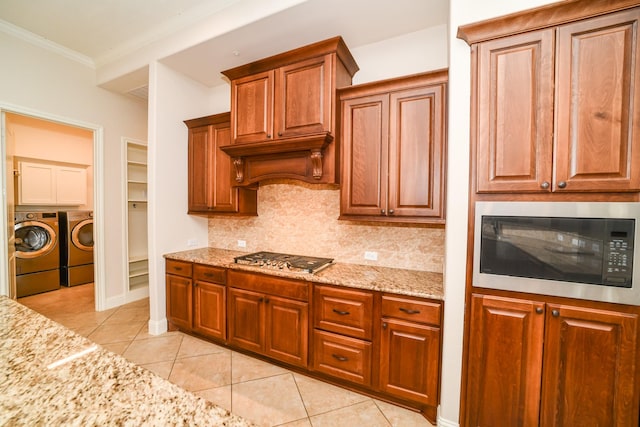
(425, 284)
(51, 376)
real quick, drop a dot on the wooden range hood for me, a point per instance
(284, 115)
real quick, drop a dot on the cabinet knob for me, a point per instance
(539, 310)
(382, 211)
(562, 184)
(279, 133)
(391, 211)
(555, 313)
(266, 300)
(260, 299)
(544, 185)
(268, 135)
(384, 325)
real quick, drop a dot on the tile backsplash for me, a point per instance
(299, 218)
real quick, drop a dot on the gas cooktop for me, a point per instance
(278, 261)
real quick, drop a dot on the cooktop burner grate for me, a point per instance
(274, 260)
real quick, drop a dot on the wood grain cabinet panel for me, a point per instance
(343, 357)
(210, 170)
(273, 325)
(410, 361)
(394, 142)
(344, 311)
(590, 366)
(515, 113)
(209, 312)
(252, 102)
(598, 102)
(505, 362)
(587, 376)
(179, 301)
(556, 110)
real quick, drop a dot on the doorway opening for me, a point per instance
(51, 168)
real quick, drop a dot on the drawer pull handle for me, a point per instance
(208, 274)
(340, 358)
(177, 268)
(340, 312)
(409, 311)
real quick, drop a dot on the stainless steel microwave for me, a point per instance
(582, 250)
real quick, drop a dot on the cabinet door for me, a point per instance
(410, 360)
(505, 362)
(513, 113)
(365, 142)
(303, 95)
(225, 197)
(37, 184)
(598, 91)
(179, 301)
(200, 164)
(590, 367)
(416, 151)
(209, 309)
(245, 319)
(71, 186)
(287, 330)
(252, 108)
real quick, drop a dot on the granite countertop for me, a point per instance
(97, 388)
(416, 283)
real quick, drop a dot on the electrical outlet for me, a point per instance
(242, 243)
(192, 243)
(371, 256)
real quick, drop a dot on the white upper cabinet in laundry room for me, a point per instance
(52, 185)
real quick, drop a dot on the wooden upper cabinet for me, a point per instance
(210, 170)
(504, 362)
(556, 110)
(394, 141)
(283, 114)
(514, 113)
(590, 368)
(303, 99)
(253, 96)
(598, 104)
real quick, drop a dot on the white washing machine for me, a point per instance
(76, 252)
(37, 252)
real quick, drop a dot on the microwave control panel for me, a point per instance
(618, 259)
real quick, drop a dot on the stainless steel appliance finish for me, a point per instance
(583, 251)
(76, 260)
(278, 261)
(37, 252)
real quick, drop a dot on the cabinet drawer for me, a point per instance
(415, 310)
(272, 285)
(207, 273)
(179, 268)
(342, 357)
(345, 311)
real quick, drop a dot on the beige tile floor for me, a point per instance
(263, 393)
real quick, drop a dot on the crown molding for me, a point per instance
(34, 39)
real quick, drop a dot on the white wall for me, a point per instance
(36, 80)
(173, 98)
(461, 12)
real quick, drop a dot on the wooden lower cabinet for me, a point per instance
(268, 324)
(532, 363)
(397, 359)
(410, 360)
(179, 301)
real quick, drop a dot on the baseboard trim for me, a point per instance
(443, 422)
(158, 327)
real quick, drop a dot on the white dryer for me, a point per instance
(76, 255)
